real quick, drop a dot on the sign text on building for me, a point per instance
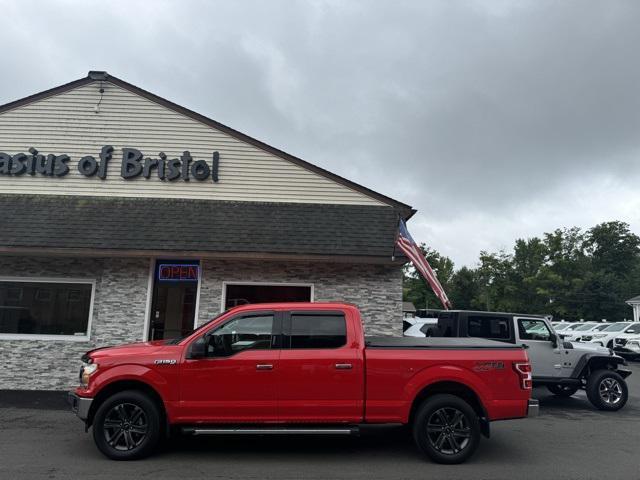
(133, 164)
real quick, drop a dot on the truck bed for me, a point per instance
(437, 343)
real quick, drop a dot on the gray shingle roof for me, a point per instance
(195, 225)
(634, 299)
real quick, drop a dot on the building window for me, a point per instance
(235, 294)
(45, 308)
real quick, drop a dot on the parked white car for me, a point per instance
(627, 344)
(419, 327)
(575, 334)
(605, 337)
(628, 347)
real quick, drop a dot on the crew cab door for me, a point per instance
(546, 359)
(320, 374)
(236, 380)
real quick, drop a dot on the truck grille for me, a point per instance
(621, 341)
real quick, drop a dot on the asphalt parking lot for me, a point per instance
(569, 440)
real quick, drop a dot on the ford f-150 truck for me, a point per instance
(300, 368)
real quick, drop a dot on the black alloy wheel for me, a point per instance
(447, 429)
(127, 426)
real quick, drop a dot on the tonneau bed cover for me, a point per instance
(440, 343)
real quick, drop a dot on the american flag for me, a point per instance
(411, 249)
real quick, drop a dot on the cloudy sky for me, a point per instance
(495, 119)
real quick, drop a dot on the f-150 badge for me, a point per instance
(165, 361)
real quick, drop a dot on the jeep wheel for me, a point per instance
(562, 390)
(127, 426)
(607, 390)
(446, 429)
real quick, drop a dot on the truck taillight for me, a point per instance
(524, 371)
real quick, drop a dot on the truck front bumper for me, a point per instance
(533, 409)
(80, 405)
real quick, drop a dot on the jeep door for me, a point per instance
(546, 359)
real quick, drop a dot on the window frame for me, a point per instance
(532, 319)
(276, 334)
(225, 283)
(464, 325)
(285, 341)
(56, 280)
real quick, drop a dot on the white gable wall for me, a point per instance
(67, 124)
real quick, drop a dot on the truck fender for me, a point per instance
(129, 373)
(443, 373)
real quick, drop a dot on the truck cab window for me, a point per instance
(317, 331)
(243, 333)
(495, 328)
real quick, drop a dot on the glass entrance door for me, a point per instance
(175, 290)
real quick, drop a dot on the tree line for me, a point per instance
(569, 273)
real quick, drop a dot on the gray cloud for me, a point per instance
(494, 119)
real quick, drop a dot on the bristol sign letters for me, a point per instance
(134, 164)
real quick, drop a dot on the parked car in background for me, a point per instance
(564, 330)
(562, 367)
(418, 327)
(628, 347)
(627, 344)
(575, 334)
(605, 337)
(586, 336)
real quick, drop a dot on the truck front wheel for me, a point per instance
(446, 429)
(127, 426)
(607, 390)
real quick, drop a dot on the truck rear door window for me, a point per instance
(494, 328)
(309, 330)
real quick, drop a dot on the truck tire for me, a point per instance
(607, 390)
(446, 429)
(562, 390)
(127, 426)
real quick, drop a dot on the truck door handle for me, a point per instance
(264, 366)
(344, 366)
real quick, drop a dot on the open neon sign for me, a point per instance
(178, 272)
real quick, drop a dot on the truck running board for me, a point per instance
(271, 431)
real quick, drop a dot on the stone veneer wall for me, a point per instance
(121, 297)
(118, 317)
(375, 289)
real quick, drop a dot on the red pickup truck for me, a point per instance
(300, 368)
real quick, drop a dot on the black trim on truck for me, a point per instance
(438, 343)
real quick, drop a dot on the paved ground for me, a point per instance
(569, 440)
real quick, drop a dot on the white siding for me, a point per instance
(67, 124)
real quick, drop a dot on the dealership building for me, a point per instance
(125, 217)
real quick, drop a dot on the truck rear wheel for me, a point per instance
(562, 390)
(607, 390)
(446, 429)
(127, 426)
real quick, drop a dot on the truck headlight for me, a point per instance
(86, 371)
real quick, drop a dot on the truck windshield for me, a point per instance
(175, 341)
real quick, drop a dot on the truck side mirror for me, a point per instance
(554, 340)
(199, 347)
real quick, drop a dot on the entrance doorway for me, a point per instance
(175, 292)
(244, 293)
